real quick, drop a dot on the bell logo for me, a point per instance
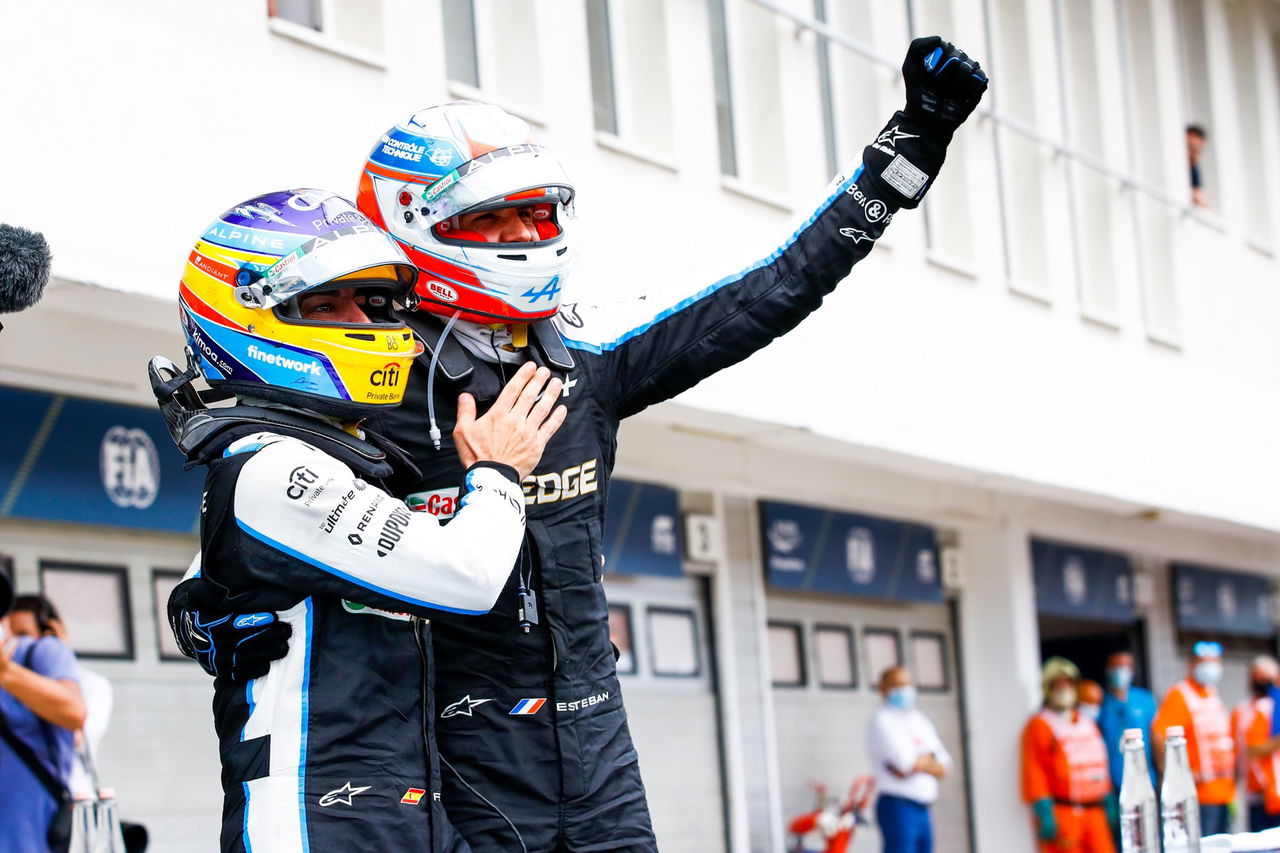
(441, 291)
(388, 375)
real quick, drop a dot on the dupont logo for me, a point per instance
(441, 291)
(527, 707)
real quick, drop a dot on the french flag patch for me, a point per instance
(526, 706)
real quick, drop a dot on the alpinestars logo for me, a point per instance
(889, 138)
(856, 235)
(342, 795)
(463, 707)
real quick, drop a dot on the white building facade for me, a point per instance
(1054, 385)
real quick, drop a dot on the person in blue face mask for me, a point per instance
(1124, 707)
(908, 760)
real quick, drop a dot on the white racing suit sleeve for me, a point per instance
(349, 538)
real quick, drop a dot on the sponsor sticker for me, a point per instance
(903, 176)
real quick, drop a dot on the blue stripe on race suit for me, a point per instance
(312, 561)
(248, 845)
(248, 696)
(597, 349)
(302, 752)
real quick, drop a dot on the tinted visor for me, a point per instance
(337, 254)
(522, 173)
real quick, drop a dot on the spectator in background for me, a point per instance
(908, 759)
(35, 616)
(1064, 769)
(1089, 703)
(1124, 707)
(1194, 704)
(1196, 140)
(40, 709)
(1258, 751)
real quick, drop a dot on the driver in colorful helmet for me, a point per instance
(288, 303)
(533, 724)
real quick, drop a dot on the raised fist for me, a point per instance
(943, 83)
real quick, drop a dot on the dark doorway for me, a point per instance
(1087, 644)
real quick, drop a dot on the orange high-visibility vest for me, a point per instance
(1084, 776)
(1213, 754)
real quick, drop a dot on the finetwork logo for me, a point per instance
(295, 364)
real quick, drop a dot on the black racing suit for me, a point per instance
(535, 721)
(333, 748)
(532, 724)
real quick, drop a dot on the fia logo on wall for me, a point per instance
(130, 467)
(860, 555)
(1075, 583)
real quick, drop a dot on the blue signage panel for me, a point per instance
(1221, 602)
(88, 462)
(821, 550)
(642, 530)
(1082, 582)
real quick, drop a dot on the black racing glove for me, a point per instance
(943, 84)
(943, 87)
(238, 646)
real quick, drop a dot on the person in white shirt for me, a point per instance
(908, 759)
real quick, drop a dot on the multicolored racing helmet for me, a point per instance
(427, 173)
(239, 305)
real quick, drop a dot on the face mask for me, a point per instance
(1120, 678)
(1090, 711)
(1207, 673)
(1063, 698)
(902, 697)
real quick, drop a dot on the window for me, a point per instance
(162, 583)
(883, 647)
(724, 95)
(1244, 30)
(1149, 145)
(353, 24)
(630, 85)
(833, 647)
(947, 219)
(620, 636)
(929, 661)
(673, 642)
(1197, 102)
(493, 46)
(1024, 164)
(94, 604)
(1088, 129)
(786, 654)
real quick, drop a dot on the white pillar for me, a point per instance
(1000, 644)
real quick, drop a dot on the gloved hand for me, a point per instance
(1046, 823)
(943, 84)
(1111, 805)
(238, 646)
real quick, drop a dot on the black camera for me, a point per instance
(6, 585)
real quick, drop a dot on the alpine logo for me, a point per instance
(342, 795)
(463, 707)
(441, 291)
(526, 707)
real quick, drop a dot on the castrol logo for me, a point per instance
(441, 291)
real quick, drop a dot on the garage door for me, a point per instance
(825, 657)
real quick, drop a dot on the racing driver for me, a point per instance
(480, 208)
(287, 302)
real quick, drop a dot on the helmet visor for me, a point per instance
(493, 179)
(336, 254)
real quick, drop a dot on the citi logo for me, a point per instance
(388, 375)
(442, 291)
(295, 364)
